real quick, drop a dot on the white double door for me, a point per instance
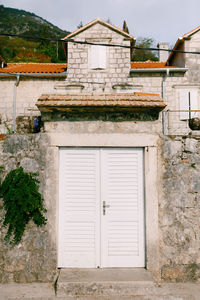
(101, 208)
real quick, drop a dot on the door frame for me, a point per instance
(101, 159)
(152, 163)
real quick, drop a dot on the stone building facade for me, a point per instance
(172, 79)
(95, 111)
(115, 66)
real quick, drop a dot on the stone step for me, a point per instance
(117, 284)
(121, 290)
(141, 297)
(104, 288)
(104, 282)
(137, 291)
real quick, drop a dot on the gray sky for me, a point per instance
(163, 20)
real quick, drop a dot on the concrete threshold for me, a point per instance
(105, 274)
(104, 282)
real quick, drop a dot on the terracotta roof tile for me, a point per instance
(55, 68)
(187, 34)
(149, 65)
(145, 94)
(137, 100)
(34, 68)
(181, 39)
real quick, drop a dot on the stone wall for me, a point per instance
(179, 209)
(34, 258)
(193, 61)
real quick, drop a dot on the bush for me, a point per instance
(22, 202)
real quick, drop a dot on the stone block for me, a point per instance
(30, 165)
(112, 61)
(83, 54)
(16, 143)
(78, 61)
(11, 165)
(76, 55)
(190, 145)
(172, 148)
(181, 273)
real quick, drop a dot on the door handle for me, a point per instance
(104, 207)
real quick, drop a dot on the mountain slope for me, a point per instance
(15, 21)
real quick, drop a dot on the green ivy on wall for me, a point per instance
(22, 202)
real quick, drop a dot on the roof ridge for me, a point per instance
(96, 21)
(35, 63)
(148, 61)
(181, 38)
(190, 32)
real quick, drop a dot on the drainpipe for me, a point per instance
(14, 101)
(48, 75)
(163, 97)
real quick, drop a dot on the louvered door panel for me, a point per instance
(79, 208)
(123, 220)
(90, 236)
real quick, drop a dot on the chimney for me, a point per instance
(163, 55)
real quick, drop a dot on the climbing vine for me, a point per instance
(22, 202)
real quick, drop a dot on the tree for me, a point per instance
(125, 27)
(143, 55)
(109, 21)
(80, 25)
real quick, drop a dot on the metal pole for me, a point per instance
(163, 97)
(164, 122)
(189, 106)
(14, 102)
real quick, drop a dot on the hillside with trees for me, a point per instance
(21, 22)
(15, 21)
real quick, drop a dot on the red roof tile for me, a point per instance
(181, 39)
(145, 94)
(149, 65)
(187, 34)
(102, 101)
(32, 68)
(56, 68)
